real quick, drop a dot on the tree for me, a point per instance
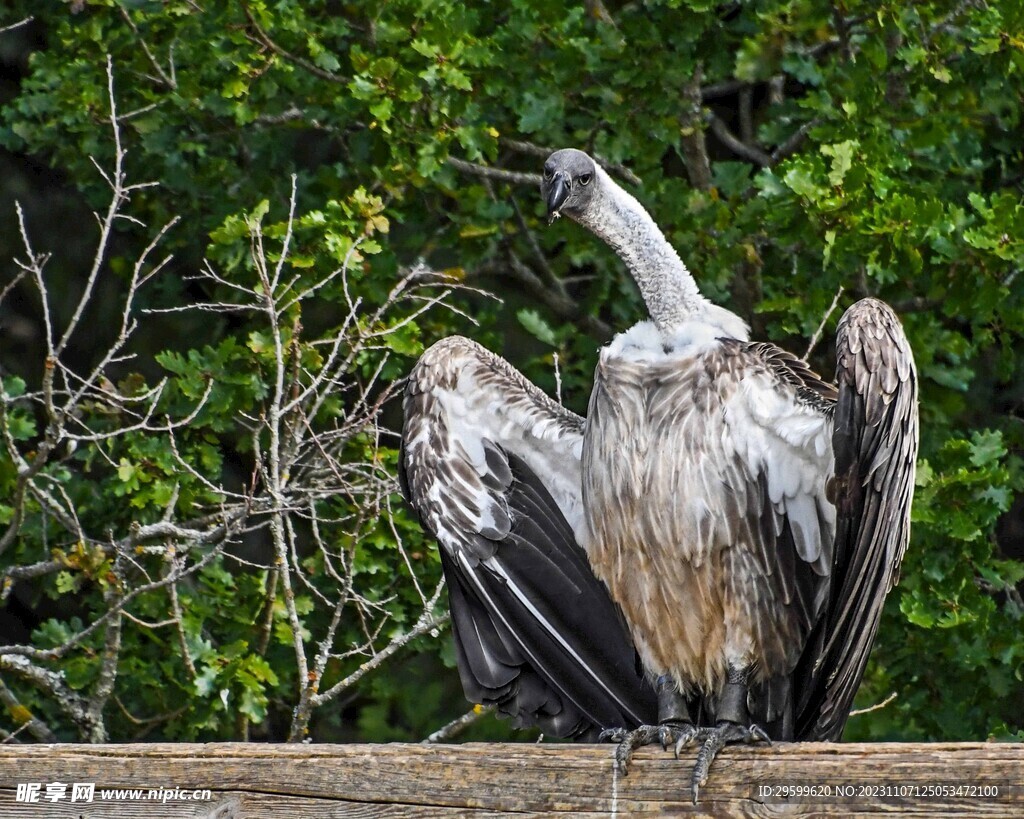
(799, 154)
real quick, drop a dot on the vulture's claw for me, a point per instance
(714, 739)
(687, 735)
(629, 741)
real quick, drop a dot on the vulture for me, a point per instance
(704, 558)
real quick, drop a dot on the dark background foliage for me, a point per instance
(788, 148)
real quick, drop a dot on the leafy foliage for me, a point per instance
(872, 146)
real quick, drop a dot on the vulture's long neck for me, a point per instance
(668, 289)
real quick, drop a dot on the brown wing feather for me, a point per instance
(810, 387)
(491, 465)
(875, 441)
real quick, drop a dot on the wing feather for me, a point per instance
(875, 440)
(492, 467)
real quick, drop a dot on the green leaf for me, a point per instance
(536, 326)
(66, 582)
(13, 386)
(732, 178)
(538, 112)
(800, 178)
(916, 612)
(842, 159)
(255, 216)
(987, 447)
(128, 473)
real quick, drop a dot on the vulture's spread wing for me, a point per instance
(492, 467)
(875, 441)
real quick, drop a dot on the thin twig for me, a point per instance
(792, 143)
(19, 24)
(120, 194)
(876, 707)
(562, 306)
(427, 623)
(302, 467)
(168, 80)
(821, 327)
(262, 37)
(448, 732)
(558, 380)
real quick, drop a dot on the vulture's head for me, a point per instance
(569, 183)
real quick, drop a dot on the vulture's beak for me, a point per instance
(557, 195)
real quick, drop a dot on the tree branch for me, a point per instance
(821, 327)
(726, 88)
(52, 684)
(262, 37)
(694, 147)
(514, 177)
(167, 79)
(751, 153)
(19, 24)
(448, 732)
(793, 143)
(876, 707)
(20, 714)
(428, 622)
(562, 306)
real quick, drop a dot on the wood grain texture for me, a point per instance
(504, 780)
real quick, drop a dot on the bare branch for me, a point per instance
(217, 535)
(165, 78)
(514, 177)
(725, 88)
(751, 153)
(446, 733)
(876, 707)
(29, 721)
(19, 24)
(558, 380)
(12, 284)
(542, 260)
(52, 684)
(120, 195)
(12, 574)
(562, 306)
(824, 320)
(262, 37)
(301, 436)
(104, 685)
(793, 143)
(746, 111)
(428, 622)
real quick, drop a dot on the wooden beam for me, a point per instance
(505, 780)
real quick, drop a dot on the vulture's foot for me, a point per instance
(628, 741)
(714, 739)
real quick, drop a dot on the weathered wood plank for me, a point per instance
(504, 780)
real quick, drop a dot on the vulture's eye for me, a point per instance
(548, 172)
(585, 178)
